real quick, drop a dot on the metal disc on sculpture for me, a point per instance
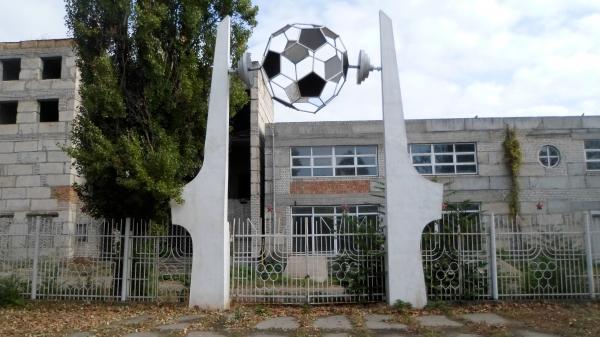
(306, 66)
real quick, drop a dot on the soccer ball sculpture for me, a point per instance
(306, 66)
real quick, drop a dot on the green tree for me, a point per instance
(145, 79)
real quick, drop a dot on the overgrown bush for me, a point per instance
(11, 291)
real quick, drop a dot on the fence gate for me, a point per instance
(313, 260)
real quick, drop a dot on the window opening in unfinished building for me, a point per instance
(11, 68)
(51, 67)
(48, 110)
(8, 112)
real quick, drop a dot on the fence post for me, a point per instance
(125, 262)
(588, 254)
(493, 261)
(36, 258)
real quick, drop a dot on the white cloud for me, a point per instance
(457, 58)
(461, 58)
(32, 19)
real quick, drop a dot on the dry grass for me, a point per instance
(53, 319)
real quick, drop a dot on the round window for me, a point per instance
(549, 156)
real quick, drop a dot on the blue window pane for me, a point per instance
(366, 150)
(424, 169)
(301, 151)
(322, 172)
(444, 159)
(344, 150)
(322, 161)
(346, 171)
(465, 147)
(593, 166)
(301, 210)
(303, 172)
(592, 155)
(368, 209)
(365, 160)
(421, 159)
(441, 148)
(344, 161)
(444, 169)
(324, 210)
(466, 169)
(321, 150)
(465, 158)
(366, 171)
(420, 148)
(592, 144)
(301, 162)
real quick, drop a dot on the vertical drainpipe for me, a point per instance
(274, 212)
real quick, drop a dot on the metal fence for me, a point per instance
(499, 257)
(107, 260)
(313, 260)
(319, 260)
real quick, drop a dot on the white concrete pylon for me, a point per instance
(204, 211)
(411, 200)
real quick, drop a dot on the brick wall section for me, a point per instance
(330, 187)
(64, 193)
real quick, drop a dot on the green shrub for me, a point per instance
(10, 291)
(402, 306)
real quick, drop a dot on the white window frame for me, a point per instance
(315, 215)
(592, 150)
(454, 154)
(333, 156)
(549, 157)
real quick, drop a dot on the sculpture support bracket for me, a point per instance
(204, 211)
(411, 200)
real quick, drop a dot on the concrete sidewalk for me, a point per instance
(467, 325)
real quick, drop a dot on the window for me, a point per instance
(459, 158)
(51, 67)
(549, 156)
(324, 229)
(11, 68)
(8, 112)
(48, 110)
(592, 154)
(81, 232)
(332, 161)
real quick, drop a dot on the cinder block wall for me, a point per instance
(35, 174)
(566, 188)
(261, 114)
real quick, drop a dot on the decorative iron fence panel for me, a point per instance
(456, 258)
(316, 260)
(501, 257)
(542, 260)
(96, 260)
(322, 259)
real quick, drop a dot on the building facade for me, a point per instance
(294, 170)
(38, 101)
(319, 168)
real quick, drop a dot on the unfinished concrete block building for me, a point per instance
(38, 101)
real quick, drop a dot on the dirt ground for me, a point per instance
(50, 319)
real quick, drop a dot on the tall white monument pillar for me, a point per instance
(411, 200)
(204, 211)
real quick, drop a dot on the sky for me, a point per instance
(459, 58)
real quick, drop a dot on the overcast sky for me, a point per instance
(457, 58)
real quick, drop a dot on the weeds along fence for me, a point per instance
(104, 260)
(324, 260)
(471, 257)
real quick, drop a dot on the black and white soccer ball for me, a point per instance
(306, 66)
